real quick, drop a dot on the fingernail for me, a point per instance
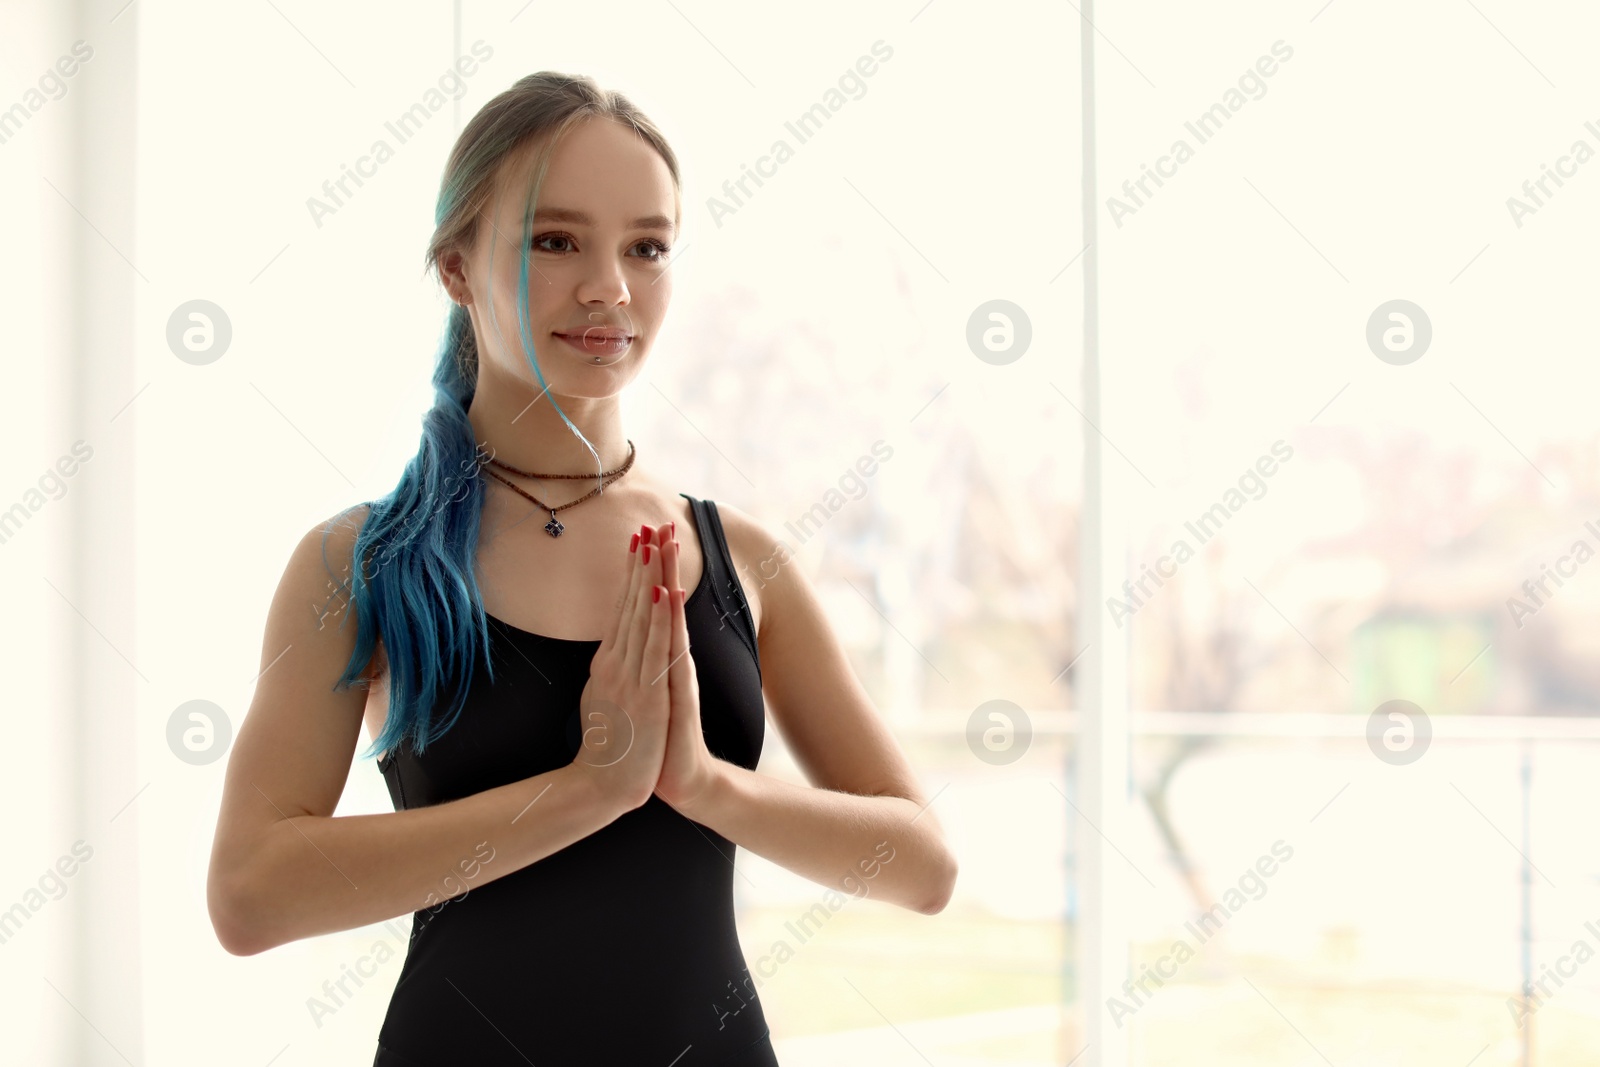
(644, 533)
(633, 544)
(674, 528)
(647, 553)
(655, 594)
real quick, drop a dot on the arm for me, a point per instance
(866, 821)
(881, 842)
(282, 867)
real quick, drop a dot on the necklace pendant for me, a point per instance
(554, 527)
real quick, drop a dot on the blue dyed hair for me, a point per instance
(417, 586)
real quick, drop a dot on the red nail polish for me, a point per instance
(633, 545)
(647, 553)
(644, 534)
(655, 594)
(674, 527)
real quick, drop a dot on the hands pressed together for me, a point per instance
(640, 710)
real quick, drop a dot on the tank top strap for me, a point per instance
(726, 592)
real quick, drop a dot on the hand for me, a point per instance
(624, 709)
(688, 768)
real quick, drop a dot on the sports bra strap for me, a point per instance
(726, 591)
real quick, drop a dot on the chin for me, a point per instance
(591, 381)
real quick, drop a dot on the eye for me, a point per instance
(658, 250)
(538, 242)
(661, 250)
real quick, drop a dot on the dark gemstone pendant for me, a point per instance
(553, 527)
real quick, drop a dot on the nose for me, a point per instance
(604, 284)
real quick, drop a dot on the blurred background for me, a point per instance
(1276, 313)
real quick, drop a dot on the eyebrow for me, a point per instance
(579, 218)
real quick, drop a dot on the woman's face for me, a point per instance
(598, 284)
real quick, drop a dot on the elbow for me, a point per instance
(235, 944)
(944, 884)
(230, 917)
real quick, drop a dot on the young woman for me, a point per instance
(558, 663)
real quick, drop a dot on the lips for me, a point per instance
(595, 333)
(598, 341)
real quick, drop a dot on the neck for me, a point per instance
(520, 427)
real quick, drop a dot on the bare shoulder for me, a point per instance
(324, 561)
(760, 555)
(335, 539)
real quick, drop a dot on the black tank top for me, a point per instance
(620, 948)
